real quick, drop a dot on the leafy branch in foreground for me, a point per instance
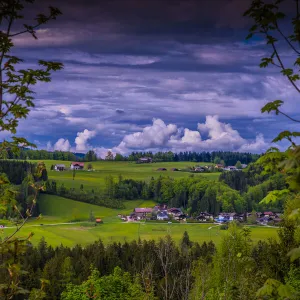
(268, 19)
(16, 94)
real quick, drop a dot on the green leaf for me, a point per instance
(272, 106)
(294, 254)
(285, 135)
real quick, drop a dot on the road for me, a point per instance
(39, 225)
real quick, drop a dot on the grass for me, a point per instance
(58, 210)
(70, 235)
(95, 179)
(65, 210)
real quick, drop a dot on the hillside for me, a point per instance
(66, 210)
(95, 179)
(57, 210)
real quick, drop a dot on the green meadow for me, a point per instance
(56, 210)
(128, 170)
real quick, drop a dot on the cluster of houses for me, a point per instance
(162, 213)
(159, 212)
(218, 167)
(73, 166)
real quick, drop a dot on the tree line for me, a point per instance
(236, 269)
(218, 157)
(227, 158)
(17, 187)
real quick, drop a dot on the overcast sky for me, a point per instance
(156, 75)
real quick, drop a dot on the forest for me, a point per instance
(226, 158)
(161, 270)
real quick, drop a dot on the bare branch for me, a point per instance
(281, 64)
(295, 120)
(286, 39)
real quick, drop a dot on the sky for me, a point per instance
(153, 75)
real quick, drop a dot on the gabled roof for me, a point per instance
(60, 166)
(81, 164)
(143, 210)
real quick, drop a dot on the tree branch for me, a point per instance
(282, 65)
(295, 120)
(24, 220)
(286, 39)
(1, 60)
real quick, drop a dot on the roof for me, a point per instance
(143, 210)
(60, 166)
(98, 220)
(268, 213)
(174, 209)
(81, 164)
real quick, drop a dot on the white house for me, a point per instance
(60, 167)
(162, 216)
(77, 166)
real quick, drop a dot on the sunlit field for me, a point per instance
(128, 170)
(57, 210)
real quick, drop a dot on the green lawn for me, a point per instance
(57, 209)
(95, 179)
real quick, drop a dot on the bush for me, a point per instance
(224, 227)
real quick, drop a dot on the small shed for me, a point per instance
(98, 220)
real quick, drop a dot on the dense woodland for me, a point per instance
(227, 158)
(163, 270)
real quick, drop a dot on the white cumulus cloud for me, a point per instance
(82, 138)
(62, 145)
(221, 136)
(158, 134)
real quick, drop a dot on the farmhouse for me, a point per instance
(219, 166)
(199, 169)
(77, 166)
(142, 212)
(144, 160)
(59, 167)
(230, 168)
(175, 211)
(162, 216)
(204, 216)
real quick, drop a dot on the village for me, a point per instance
(143, 160)
(161, 213)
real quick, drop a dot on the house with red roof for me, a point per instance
(77, 166)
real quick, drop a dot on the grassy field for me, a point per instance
(58, 210)
(95, 179)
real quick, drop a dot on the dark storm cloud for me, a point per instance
(129, 61)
